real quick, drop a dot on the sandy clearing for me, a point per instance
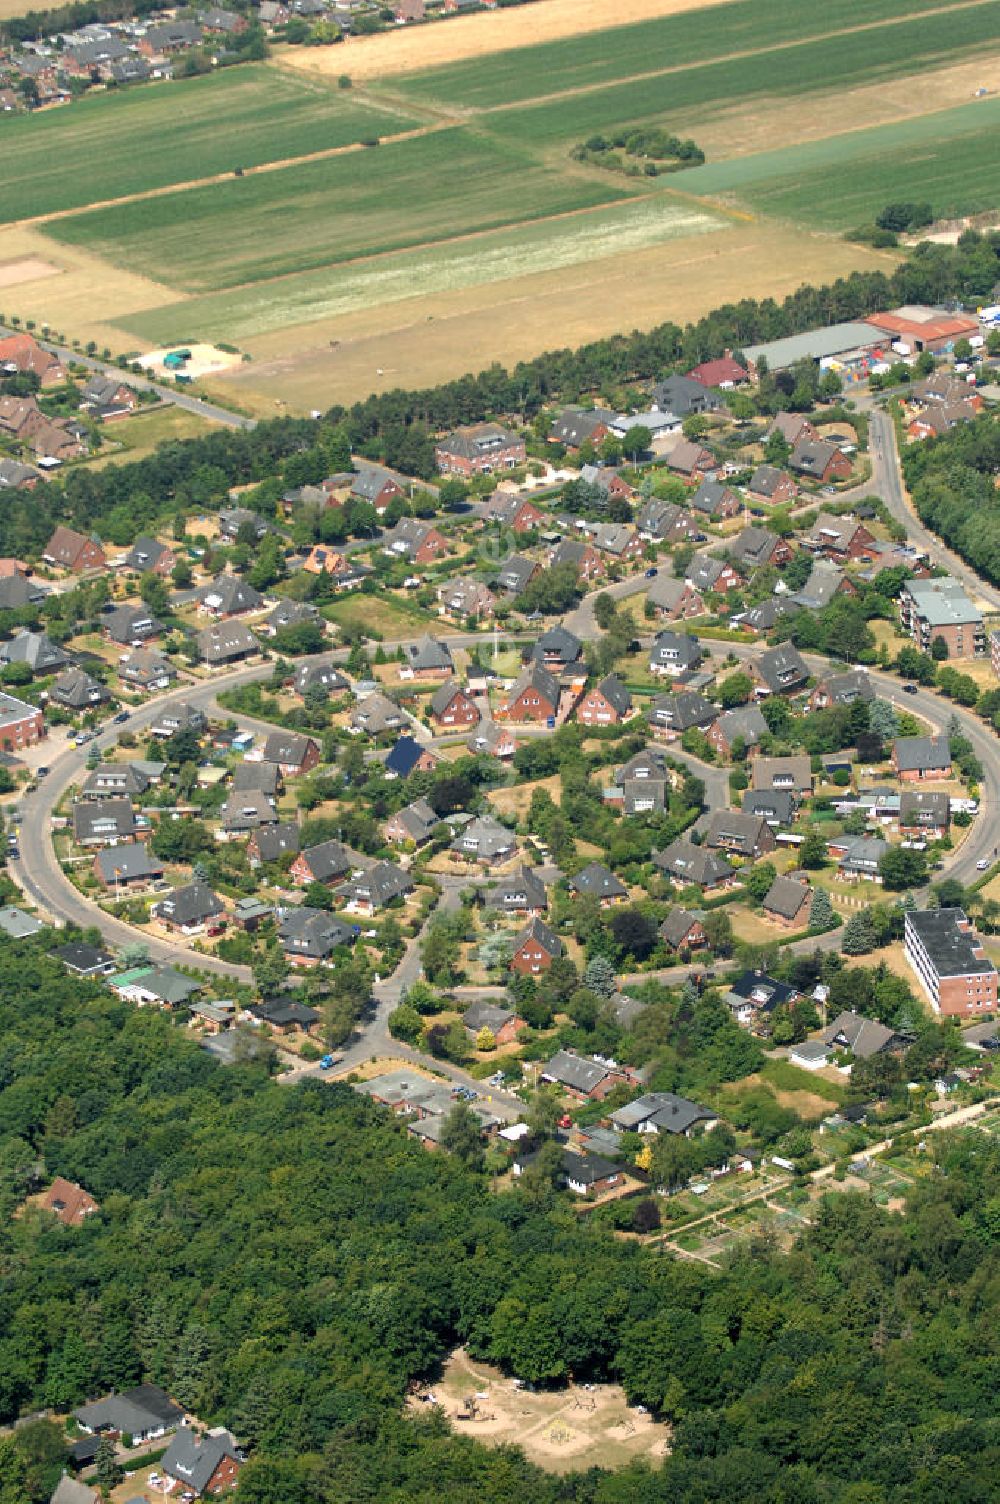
(421, 341)
(205, 360)
(27, 269)
(413, 48)
(765, 126)
(85, 297)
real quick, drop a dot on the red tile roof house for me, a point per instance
(724, 373)
(606, 704)
(70, 550)
(535, 696)
(691, 461)
(535, 948)
(69, 1202)
(19, 352)
(480, 450)
(454, 706)
(515, 512)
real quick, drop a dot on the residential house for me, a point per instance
(534, 696)
(76, 690)
(788, 902)
(69, 1202)
(523, 893)
(578, 425)
(674, 653)
(860, 857)
(707, 574)
(842, 689)
(771, 487)
(17, 477)
(269, 843)
(127, 867)
(598, 881)
(378, 486)
(108, 397)
(643, 782)
(689, 865)
(620, 543)
(227, 596)
(377, 714)
(150, 556)
(409, 756)
(294, 753)
(73, 551)
(22, 354)
(516, 573)
(257, 777)
(375, 889)
(453, 706)
(758, 548)
(479, 450)
(673, 714)
(691, 461)
(819, 460)
(85, 960)
(606, 704)
(683, 929)
(416, 823)
(557, 649)
(190, 909)
(762, 618)
(753, 998)
(918, 757)
(203, 1465)
(862, 1037)
(286, 1015)
(684, 396)
(105, 822)
(942, 418)
(583, 1174)
(663, 1112)
(311, 678)
(503, 1023)
(325, 863)
(492, 740)
(17, 591)
(580, 1077)
(226, 642)
(793, 428)
(115, 779)
(781, 670)
(415, 541)
(664, 522)
(486, 841)
(535, 948)
(246, 811)
(130, 626)
(179, 718)
(513, 511)
(144, 1413)
(723, 373)
(949, 962)
(255, 527)
(466, 597)
(37, 650)
(924, 814)
(428, 658)
(170, 37)
(843, 539)
(777, 808)
(608, 479)
(145, 671)
(288, 614)
(674, 600)
(716, 501)
(790, 774)
(745, 835)
(744, 724)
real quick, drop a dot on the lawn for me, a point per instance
(132, 140)
(844, 180)
(139, 436)
(674, 99)
(319, 213)
(380, 616)
(671, 42)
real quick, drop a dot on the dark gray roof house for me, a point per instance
(520, 893)
(291, 614)
(110, 778)
(77, 690)
(128, 864)
(247, 810)
(580, 1075)
(131, 625)
(922, 754)
(193, 1460)
(229, 595)
(661, 1112)
(599, 881)
(714, 499)
(674, 653)
(677, 926)
(142, 1412)
(145, 554)
(682, 396)
(788, 899)
(188, 907)
(378, 887)
(516, 572)
(576, 425)
(557, 647)
(687, 863)
(85, 960)
(429, 656)
(824, 582)
(782, 670)
(864, 1037)
(680, 712)
(377, 713)
(312, 676)
(732, 830)
(418, 820)
(263, 777)
(752, 548)
(745, 723)
(17, 591)
(482, 1014)
(326, 861)
(226, 642)
(762, 618)
(485, 840)
(312, 934)
(272, 842)
(777, 806)
(103, 822)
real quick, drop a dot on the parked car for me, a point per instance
(651, 574)
(910, 689)
(123, 715)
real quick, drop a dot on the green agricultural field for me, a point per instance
(950, 159)
(696, 37)
(239, 314)
(319, 213)
(131, 140)
(675, 99)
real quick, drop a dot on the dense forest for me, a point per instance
(398, 427)
(953, 484)
(285, 1260)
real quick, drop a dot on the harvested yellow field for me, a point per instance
(419, 341)
(70, 290)
(413, 48)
